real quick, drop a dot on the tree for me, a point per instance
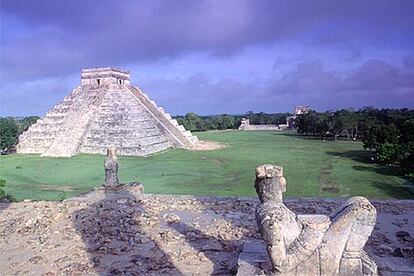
(322, 125)
(379, 134)
(407, 131)
(249, 115)
(224, 121)
(338, 123)
(388, 153)
(191, 121)
(9, 130)
(407, 148)
(26, 122)
(306, 123)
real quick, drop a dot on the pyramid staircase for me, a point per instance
(183, 137)
(100, 114)
(40, 135)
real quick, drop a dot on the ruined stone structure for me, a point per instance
(299, 109)
(105, 110)
(245, 125)
(312, 244)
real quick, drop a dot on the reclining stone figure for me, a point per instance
(312, 244)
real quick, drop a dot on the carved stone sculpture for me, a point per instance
(111, 168)
(312, 244)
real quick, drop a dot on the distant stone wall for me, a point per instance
(245, 125)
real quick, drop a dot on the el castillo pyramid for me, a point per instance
(105, 110)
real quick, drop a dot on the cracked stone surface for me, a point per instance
(107, 233)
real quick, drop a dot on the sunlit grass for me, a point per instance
(313, 168)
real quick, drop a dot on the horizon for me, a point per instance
(212, 57)
(241, 114)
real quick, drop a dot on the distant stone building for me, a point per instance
(300, 109)
(245, 125)
(105, 110)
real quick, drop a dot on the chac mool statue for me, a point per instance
(312, 244)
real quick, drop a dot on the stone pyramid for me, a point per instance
(105, 110)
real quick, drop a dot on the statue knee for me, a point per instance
(362, 208)
(358, 207)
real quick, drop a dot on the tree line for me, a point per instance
(11, 128)
(389, 133)
(193, 122)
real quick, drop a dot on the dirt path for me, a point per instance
(203, 145)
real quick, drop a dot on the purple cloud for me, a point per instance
(67, 35)
(372, 83)
(328, 50)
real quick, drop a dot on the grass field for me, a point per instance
(313, 168)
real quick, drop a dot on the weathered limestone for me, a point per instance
(245, 125)
(299, 109)
(312, 244)
(105, 110)
(111, 169)
(133, 190)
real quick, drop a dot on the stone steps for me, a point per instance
(123, 134)
(175, 130)
(129, 150)
(69, 137)
(92, 118)
(40, 135)
(123, 122)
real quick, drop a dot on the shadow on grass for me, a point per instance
(362, 156)
(405, 191)
(304, 137)
(312, 137)
(401, 192)
(391, 171)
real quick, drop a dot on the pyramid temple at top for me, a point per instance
(105, 110)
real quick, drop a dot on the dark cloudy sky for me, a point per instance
(212, 57)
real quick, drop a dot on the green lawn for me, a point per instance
(313, 168)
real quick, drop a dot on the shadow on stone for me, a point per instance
(111, 227)
(112, 233)
(218, 251)
(4, 206)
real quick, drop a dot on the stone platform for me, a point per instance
(104, 234)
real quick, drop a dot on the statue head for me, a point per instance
(111, 152)
(270, 183)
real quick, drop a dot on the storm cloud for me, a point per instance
(252, 55)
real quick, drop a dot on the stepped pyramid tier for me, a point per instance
(105, 110)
